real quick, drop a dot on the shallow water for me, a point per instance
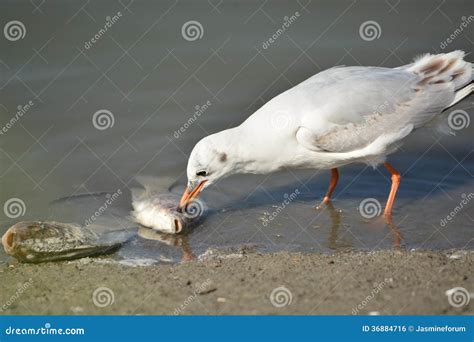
(151, 80)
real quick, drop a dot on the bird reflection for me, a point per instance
(182, 241)
(397, 235)
(336, 221)
(335, 216)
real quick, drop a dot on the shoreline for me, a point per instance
(247, 283)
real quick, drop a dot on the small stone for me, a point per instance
(455, 256)
(221, 300)
(76, 309)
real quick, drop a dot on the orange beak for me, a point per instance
(190, 195)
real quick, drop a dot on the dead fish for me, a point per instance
(157, 208)
(40, 241)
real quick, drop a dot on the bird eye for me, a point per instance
(201, 173)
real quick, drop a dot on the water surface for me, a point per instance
(152, 80)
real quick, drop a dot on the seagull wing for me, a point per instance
(347, 109)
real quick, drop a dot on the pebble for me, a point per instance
(456, 255)
(76, 309)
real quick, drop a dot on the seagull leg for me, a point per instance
(393, 190)
(332, 186)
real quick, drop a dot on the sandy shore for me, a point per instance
(385, 282)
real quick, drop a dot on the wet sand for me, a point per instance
(241, 282)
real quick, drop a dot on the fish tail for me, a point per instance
(154, 184)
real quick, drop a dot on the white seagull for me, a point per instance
(340, 116)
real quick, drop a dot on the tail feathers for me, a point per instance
(461, 94)
(443, 69)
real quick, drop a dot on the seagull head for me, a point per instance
(210, 160)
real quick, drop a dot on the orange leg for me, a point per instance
(332, 186)
(393, 190)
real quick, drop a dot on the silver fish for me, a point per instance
(40, 241)
(157, 208)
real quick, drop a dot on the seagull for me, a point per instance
(340, 116)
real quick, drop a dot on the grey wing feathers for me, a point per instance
(367, 102)
(350, 137)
